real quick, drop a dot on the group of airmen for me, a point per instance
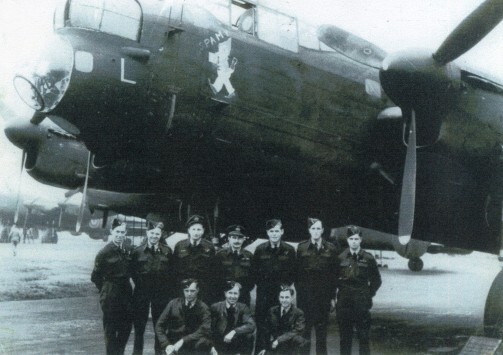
(200, 300)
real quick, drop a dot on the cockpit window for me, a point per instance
(277, 28)
(267, 24)
(243, 16)
(117, 17)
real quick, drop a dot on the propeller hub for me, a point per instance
(414, 79)
(23, 134)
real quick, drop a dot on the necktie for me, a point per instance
(354, 271)
(282, 312)
(230, 311)
(230, 319)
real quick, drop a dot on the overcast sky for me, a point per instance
(391, 24)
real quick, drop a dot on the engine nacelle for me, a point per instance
(58, 160)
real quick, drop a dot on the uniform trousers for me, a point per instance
(115, 299)
(143, 299)
(316, 312)
(267, 297)
(353, 313)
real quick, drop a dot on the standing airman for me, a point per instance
(111, 275)
(315, 283)
(235, 263)
(152, 272)
(194, 258)
(273, 265)
(358, 281)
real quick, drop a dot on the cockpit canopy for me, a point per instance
(117, 17)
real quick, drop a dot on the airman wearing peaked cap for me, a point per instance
(234, 262)
(194, 219)
(194, 257)
(236, 230)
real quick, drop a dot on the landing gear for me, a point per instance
(379, 257)
(493, 312)
(415, 264)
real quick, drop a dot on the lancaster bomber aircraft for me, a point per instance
(241, 111)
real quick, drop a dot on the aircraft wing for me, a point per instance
(374, 239)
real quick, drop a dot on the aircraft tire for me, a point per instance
(493, 311)
(415, 264)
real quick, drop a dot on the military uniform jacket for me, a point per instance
(361, 275)
(111, 264)
(243, 321)
(274, 266)
(284, 328)
(316, 271)
(152, 270)
(194, 262)
(173, 323)
(146, 263)
(235, 268)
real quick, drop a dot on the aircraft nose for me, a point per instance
(23, 134)
(42, 83)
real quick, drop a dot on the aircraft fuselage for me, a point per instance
(269, 123)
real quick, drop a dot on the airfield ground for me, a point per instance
(49, 306)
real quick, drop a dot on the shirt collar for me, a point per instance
(273, 246)
(195, 242)
(285, 310)
(237, 250)
(355, 252)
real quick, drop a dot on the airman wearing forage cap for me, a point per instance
(152, 271)
(358, 281)
(234, 262)
(273, 265)
(194, 257)
(315, 283)
(111, 276)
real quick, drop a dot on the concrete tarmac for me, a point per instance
(431, 312)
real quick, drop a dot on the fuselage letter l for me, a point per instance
(122, 73)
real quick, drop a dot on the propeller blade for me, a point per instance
(60, 217)
(26, 221)
(216, 214)
(37, 118)
(105, 219)
(83, 202)
(408, 196)
(18, 201)
(470, 31)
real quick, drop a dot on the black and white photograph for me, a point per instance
(231, 177)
